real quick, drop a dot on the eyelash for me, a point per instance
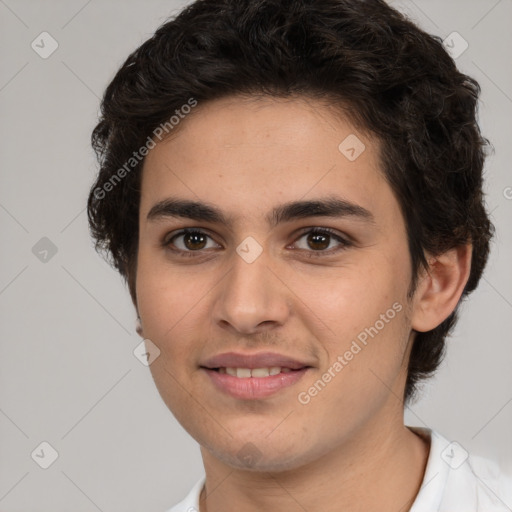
(344, 243)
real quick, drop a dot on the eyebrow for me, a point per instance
(294, 210)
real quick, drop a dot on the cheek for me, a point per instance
(164, 295)
(362, 370)
(168, 306)
(345, 301)
(360, 318)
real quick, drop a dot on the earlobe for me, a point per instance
(440, 289)
(138, 327)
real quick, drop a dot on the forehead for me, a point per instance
(251, 154)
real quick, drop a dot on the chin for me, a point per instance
(260, 454)
(260, 462)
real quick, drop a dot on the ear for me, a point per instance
(440, 288)
(138, 326)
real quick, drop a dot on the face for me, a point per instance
(317, 292)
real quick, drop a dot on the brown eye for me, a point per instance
(194, 241)
(318, 240)
(188, 240)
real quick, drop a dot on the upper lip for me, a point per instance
(260, 360)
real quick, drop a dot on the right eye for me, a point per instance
(193, 241)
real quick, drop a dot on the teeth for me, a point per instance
(242, 373)
(260, 372)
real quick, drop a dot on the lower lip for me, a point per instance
(254, 388)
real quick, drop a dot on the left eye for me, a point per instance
(320, 239)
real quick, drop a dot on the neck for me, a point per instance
(380, 470)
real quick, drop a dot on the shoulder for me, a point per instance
(191, 502)
(456, 480)
(488, 483)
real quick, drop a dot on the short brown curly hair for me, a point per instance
(398, 81)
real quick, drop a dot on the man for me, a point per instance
(293, 192)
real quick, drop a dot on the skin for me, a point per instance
(247, 156)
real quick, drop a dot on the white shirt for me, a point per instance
(454, 481)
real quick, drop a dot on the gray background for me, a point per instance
(68, 374)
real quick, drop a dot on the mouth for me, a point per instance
(254, 383)
(254, 376)
(245, 373)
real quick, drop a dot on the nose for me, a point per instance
(251, 297)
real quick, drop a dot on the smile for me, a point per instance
(242, 373)
(253, 384)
